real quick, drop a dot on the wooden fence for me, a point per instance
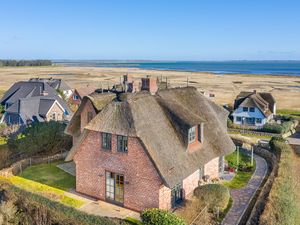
(21, 165)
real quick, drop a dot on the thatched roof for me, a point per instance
(98, 100)
(156, 119)
(262, 100)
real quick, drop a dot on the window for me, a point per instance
(89, 116)
(177, 195)
(245, 109)
(252, 109)
(200, 132)
(53, 116)
(238, 119)
(258, 120)
(75, 97)
(122, 143)
(106, 141)
(192, 134)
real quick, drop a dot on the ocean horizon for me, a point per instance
(274, 67)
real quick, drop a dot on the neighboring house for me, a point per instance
(78, 94)
(57, 84)
(254, 109)
(144, 150)
(33, 101)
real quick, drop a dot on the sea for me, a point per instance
(282, 68)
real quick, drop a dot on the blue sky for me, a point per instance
(157, 30)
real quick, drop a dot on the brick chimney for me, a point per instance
(127, 79)
(150, 84)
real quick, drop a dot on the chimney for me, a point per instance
(44, 93)
(150, 84)
(254, 91)
(127, 79)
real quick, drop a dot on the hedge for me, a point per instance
(213, 195)
(281, 208)
(36, 209)
(278, 128)
(160, 217)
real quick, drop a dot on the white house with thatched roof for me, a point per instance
(143, 150)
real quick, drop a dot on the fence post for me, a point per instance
(20, 166)
(30, 163)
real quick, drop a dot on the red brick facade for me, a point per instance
(142, 182)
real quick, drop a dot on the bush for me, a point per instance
(214, 195)
(160, 217)
(278, 128)
(244, 161)
(47, 138)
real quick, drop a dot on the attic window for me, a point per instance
(192, 134)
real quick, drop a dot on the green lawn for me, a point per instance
(239, 181)
(50, 175)
(49, 181)
(244, 173)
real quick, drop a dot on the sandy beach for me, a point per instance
(225, 87)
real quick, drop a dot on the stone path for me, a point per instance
(242, 197)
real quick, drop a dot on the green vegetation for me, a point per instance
(49, 174)
(213, 195)
(23, 207)
(49, 181)
(262, 137)
(245, 170)
(132, 221)
(282, 207)
(278, 128)
(47, 138)
(15, 63)
(240, 160)
(160, 217)
(239, 181)
(291, 112)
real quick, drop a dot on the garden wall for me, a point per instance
(19, 166)
(258, 207)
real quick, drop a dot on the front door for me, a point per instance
(176, 195)
(114, 184)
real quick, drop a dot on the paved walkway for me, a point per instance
(242, 197)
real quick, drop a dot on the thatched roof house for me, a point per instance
(161, 123)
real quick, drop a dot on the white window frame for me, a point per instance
(192, 134)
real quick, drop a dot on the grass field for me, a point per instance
(291, 112)
(49, 181)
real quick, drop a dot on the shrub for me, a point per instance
(281, 207)
(244, 161)
(278, 128)
(47, 138)
(160, 217)
(214, 195)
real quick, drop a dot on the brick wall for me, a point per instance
(142, 182)
(84, 114)
(212, 168)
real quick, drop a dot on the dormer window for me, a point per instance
(192, 134)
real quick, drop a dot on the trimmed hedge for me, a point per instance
(278, 128)
(214, 195)
(36, 209)
(160, 217)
